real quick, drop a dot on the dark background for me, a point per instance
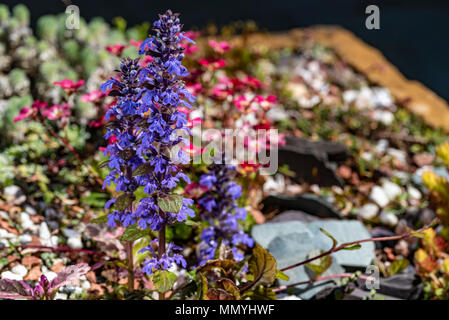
(413, 34)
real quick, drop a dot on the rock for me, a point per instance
(378, 196)
(276, 114)
(85, 285)
(414, 193)
(14, 194)
(71, 233)
(264, 233)
(75, 243)
(400, 155)
(44, 232)
(61, 296)
(391, 189)
(25, 238)
(311, 160)
(20, 270)
(286, 239)
(30, 210)
(288, 297)
(50, 275)
(404, 285)
(358, 294)
(368, 211)
(381, 146)
(383, 116)
(4, 234)
(11, 276)
(388, 218)
(293, 215)
(378, 232)
(276, 185)
(307, 203)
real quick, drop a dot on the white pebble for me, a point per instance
(11, 276)
(391, 189)
(368, 211)
(20, 270)
(44, 232)
(50, 275)
(414, 193)
(75, 243)
(378, 196)
(61, 296)
(388, 218)
(70, 233)
(25, 238)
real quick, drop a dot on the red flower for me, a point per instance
(241, 103)
(68, 85)
(212, 63)
(57, 111)
(29, 112)
(219, 47)
(146, 61)
(116, 49)
(94, 96)
(135, 43)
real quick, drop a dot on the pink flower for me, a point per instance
(116, 49)
(194, 88)
(135, 43)
(94, 96)
(68, 85)
(29, 112)
(192, 34)
(241, 103)
(212, 63)
(146, 61)
(189, 48)
(57, 111)
(219, 47)
(194, 190)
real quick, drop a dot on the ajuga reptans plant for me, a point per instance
(147, 126)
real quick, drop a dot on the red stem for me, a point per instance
(67, 249)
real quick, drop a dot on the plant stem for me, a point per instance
(332, 276)
(129, 251)
(349, 244)
(161, 247)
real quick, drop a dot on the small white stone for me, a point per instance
(61, 296)
(85, 285)
(44, 232)
(75, 243)
(70, 233)
(25, 238)
(30, 210)
(368, 211)
(28, 225)
(414, 193)
(291, 297)
(50, 275)
(391, 189)
(11, 191)
(6, 235)
(4, 215)
(23, 217)
(378, 196)
(20, 270)
(398, 154)
(11, 276)
(388, 218)
(381, 145)
(383, 116)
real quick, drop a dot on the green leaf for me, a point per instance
(262, 266)
(261, 293)
(398, 266)
(164, 280)
(143, 169)
(104, 164)
(101, 219)
(334, 241)
(230, 287)
(171, 203)
(124, 201)
(353, 247)
(132, 233)
(204, 287)
(281, 276)
(319, 266)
